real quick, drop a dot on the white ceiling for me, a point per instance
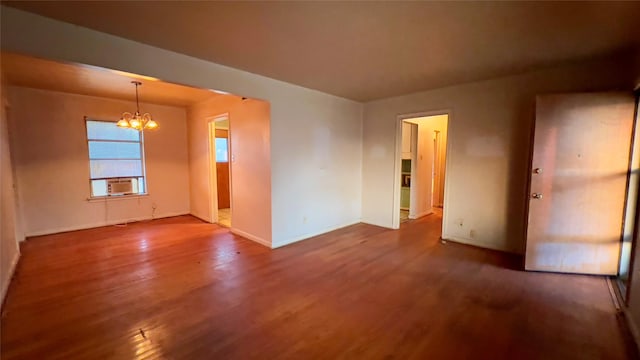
(37, 73)
(367, 50)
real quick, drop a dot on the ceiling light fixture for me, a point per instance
(137, 121)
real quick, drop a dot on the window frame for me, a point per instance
(142, 160)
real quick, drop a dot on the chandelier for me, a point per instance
(137, 121)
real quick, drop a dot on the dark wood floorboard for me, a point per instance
(179, 288)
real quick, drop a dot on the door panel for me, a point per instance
(222, 175)
(421, 170)
(578, 182)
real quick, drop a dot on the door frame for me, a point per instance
(397, 169)
(213, 183)
(636, 230)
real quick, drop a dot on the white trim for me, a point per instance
(115, 197)
(418, 216)
(479, 244)
(314, 234)
(101, 224)
(12, 270)
(395, 216)
(246, 235)
(143, 159)
(199, 217)
(375, 224)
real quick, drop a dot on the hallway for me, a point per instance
(224, 217)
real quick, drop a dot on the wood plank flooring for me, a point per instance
(179, 288)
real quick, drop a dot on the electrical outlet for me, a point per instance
(472, 233)
(153, 210)
(304, 219)
(460, 222)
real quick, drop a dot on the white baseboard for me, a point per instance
(386, 226)
(200, 217)
(12, 270)
(418, 216)
(259, 240)
(310, 235)
(477, 243)
(101, 224)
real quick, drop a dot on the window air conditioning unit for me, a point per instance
(119, 186)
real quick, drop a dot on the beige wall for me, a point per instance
(250, 165)
(489, 135)
(52, 165)
(316, 165)
(316, 138)
(251, 170)
(10, 228)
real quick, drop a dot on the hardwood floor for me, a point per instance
(179, 288)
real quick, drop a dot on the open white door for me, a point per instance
(422, 169)
(578, 182)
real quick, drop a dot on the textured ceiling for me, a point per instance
(37, 73)
(367, 50)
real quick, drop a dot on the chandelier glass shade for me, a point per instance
(136, 120)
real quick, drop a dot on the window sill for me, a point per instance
(115, 198)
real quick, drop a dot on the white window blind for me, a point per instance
(114, 153)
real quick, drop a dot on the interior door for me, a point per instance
(578, 182)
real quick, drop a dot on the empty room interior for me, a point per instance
(319, 180)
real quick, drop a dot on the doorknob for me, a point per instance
(536, 196)
(537, 171)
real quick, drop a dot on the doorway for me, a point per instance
(220, 169)
(421, 166)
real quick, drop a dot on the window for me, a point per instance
(115, 154)
(222, 154)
